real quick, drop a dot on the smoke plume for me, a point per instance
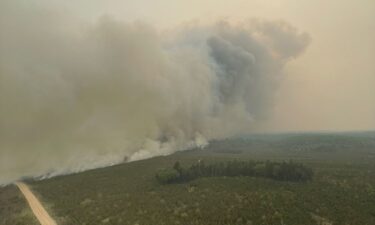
(76, 95)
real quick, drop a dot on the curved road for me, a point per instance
(37, 208)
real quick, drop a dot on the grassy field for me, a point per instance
(342, 191)
(14, 209)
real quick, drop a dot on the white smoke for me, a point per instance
(75, 95)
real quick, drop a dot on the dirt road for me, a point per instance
(37, 208)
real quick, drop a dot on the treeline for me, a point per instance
(282, 171)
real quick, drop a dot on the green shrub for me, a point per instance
(167, 176)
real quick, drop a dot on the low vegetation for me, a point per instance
(342, 190)
(14, 209)
(284, 171)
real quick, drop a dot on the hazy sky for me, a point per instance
(329, 87)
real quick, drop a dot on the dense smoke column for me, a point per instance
(75, 96)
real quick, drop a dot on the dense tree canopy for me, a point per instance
(283, 171)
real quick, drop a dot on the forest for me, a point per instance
(282, 171)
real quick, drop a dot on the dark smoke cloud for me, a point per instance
(75, 96)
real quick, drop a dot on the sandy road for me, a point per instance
(37, 208)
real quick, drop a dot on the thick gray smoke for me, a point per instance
(75, 95)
